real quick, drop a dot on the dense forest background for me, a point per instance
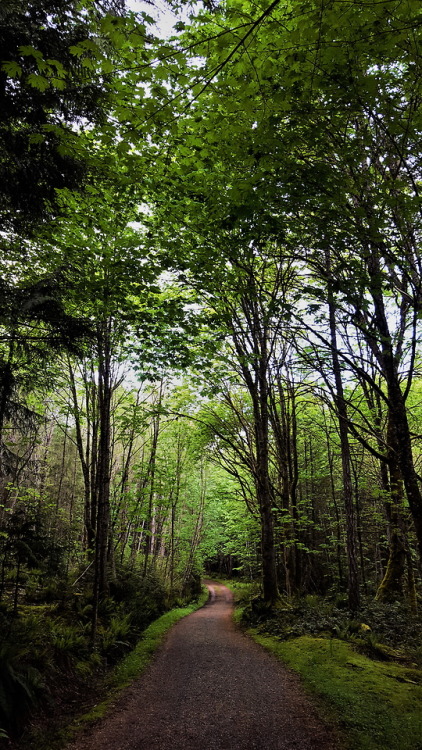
(210, 311)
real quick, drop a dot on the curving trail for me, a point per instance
(211, 688)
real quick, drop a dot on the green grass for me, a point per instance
(242, 590)
(375, 704)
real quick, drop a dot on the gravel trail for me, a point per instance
(210, 687)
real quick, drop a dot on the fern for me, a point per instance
(19, 688)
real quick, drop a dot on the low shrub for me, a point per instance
(20, 687)
(379, 630)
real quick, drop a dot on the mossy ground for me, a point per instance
(377, 705)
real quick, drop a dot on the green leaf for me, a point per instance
(36, 138)
(38, 82)
(12, 69)
(76, 50)
(27, 51)
(58, 83)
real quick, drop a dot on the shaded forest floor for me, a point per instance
(90, 706)
(387, 632)
(49, 672)
(366, 669)
(211, 687)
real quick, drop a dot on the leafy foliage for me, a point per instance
(210, 321)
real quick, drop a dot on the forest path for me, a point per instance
(210, 687)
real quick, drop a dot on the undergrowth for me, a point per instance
(383, 631)
(128, 669)
(48, 664)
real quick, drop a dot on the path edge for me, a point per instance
(129, 669)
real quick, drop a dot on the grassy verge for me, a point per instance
(375, 704)
(138, 659)
(126, 671)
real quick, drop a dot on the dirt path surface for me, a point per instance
(211, 688)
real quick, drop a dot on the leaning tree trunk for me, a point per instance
(397, 412)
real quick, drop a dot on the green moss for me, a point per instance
(238, 615)
(376, 704)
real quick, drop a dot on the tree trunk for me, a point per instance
(84, 457)
(383, 350)
(392, 586)
(151, 474)
(265, 493)
(341, 409)
(104, 468)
